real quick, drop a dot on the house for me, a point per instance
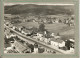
(62, 44)
(20, 28)
(47, 40)
(52, 34)
(39, 34)
(54, 44)
(23, 32)
(7, 23)
(35, 37)
(57, 43)
(21, 48)
(72, 43)
(14, 27)
(12, 51)
(45, 32)
(56, 21)
(13, 35)
(57, 37)
(41, 38)
(41, 49)
(9, 48)
(71, 40)
(10, 25)
(35, 48)
(67, 21)
(72, 50)
(8, 36)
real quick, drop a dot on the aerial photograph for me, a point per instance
(39, 28)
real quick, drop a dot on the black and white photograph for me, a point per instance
(39, 28)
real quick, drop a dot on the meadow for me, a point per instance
(64, 30)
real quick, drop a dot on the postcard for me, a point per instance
(40, 29)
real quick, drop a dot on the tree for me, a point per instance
(58, 34)
(47, 35)
(42, 27)
(60, 21)
(31, 46)
(67, 44)
(34, 30)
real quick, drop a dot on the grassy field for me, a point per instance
(28, 24)
(57, 27)
(65, 31)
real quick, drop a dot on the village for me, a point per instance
(35, 28)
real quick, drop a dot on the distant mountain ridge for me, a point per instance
(39, 9)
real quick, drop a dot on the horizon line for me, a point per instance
(9, 4)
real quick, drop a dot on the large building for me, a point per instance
(21, 48)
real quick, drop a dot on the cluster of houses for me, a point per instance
(49, 19)
(53, 41)
(17, 45)
(56, 41)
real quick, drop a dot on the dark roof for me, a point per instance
(12, 51)
(20, 46)
(7, 45)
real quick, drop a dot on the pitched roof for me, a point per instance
(57, 40)
(27, 31)
(20, 46)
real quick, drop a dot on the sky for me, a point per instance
(36, 3)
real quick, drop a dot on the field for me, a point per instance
(65, 31)
(28, 24)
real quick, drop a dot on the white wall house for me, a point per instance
(54, 44)
(14, 27)
(46, 40)
(13, 35)
(57, 37)
(19, 29)
(62, 44)
(56, 21)
(7, 36)
(23, 32)
(40, 35)
(35, 50)
(71, 40)
(72, 50)
(42, 39)
(52, 34)
(57, 43)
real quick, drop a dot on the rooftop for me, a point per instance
(57, 40)
(20, 46)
